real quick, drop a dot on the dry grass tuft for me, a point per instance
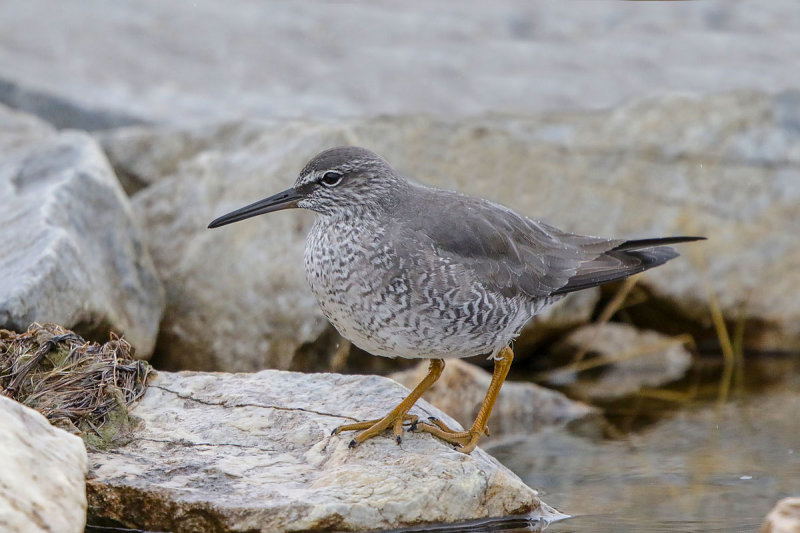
(80, 386)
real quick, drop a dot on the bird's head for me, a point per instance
(347, 180)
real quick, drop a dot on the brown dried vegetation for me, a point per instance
(81, 386)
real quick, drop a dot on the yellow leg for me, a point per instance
(397, 416)
(466, 441)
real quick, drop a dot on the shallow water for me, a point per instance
(705, 466)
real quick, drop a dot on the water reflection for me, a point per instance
(495, 525)
(707, 467)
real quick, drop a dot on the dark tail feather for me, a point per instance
(627, 259)
(659, 241)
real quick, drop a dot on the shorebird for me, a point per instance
(405, 270)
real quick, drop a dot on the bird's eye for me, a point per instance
(331, 179)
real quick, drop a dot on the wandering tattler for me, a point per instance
(405, 270)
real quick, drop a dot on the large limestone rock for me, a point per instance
(723, 167)
(42, 478)
(237, 298)
(18, 129)
(144, 155)
(73, 253)
(169, 62)
(783, 518)
(254, 452)
(520, 407)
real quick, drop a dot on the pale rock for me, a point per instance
(18, 129)
(723, 167)
(73, 253)
(784, 517)
(254, 452)
(237, 297)
(520, 407)
(167, 62)
(42, 486)
(636, 359)
(142, 155)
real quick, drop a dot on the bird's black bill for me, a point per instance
(283, 200)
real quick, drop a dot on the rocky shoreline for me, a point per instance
(111, 169)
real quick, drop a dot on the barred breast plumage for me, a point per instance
(394, 302)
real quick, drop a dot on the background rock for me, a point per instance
(237, 297)
(253, 452)
(18, 129)
(158, 61)
(725, 167)
(783, 518)
(72, 251)
(633, 358)
(142, 155)
(42, 480)
(520, 407)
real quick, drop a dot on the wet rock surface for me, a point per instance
(520, 407)
(628, 359)
(253, 452)
(72, 251)
(42, 478)
(708, 466)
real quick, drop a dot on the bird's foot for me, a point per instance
(397, 416)
(464, 441)
(444, 427)
(375, 427)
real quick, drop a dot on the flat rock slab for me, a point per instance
(72, 253)
(42, 474)
(254, 452)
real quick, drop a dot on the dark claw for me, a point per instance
(432, 418)
(399, 439)
(335, 431)
(413, 427)
(352, 444)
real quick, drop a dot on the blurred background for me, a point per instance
(125, 127)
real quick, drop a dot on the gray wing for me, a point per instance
(509, 254)
(516, 256)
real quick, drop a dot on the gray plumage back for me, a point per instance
(517, 256)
